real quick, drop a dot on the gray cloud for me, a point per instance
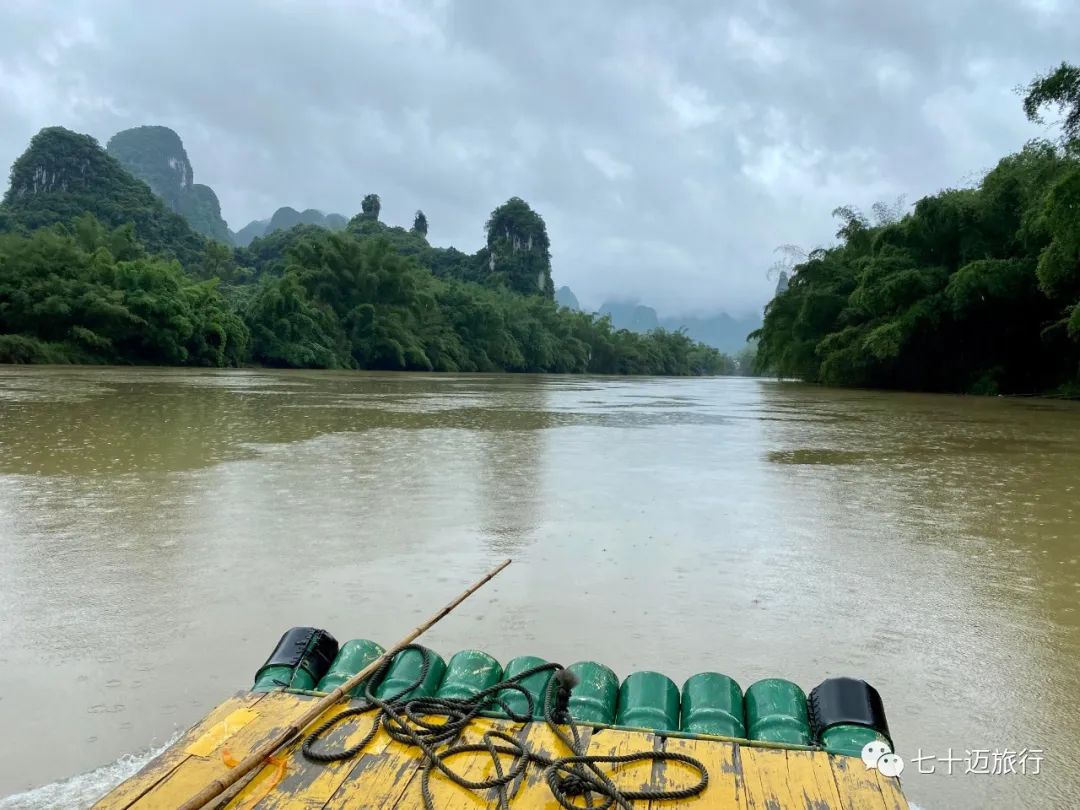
(669, 150)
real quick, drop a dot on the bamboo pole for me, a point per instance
(258, 756)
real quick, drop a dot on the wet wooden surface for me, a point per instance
(387, 774)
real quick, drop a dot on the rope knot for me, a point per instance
(574, 785)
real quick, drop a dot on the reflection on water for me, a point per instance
(160, 528)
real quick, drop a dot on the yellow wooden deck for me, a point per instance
(385, 775)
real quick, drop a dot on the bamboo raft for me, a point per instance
(742, 776)
(253, 751)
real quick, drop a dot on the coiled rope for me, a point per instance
(406, 720)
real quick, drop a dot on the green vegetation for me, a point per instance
(93, 295)
(517, 251)
(363, 299)
(976, 290)
(63, 175)
(156, 155)
(370, 206)
(420, 224)
(286, 217)
(282, 220)
(95, 269)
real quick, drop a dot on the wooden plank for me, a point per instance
(306, 784)
(891, 792)
(449, 795)
(532, 791)
(765, 778)
(812, 784)
(857, 785)
(379, 779)
(221, 733)
(725, 789)
(162, 766)
(387, 773)
(275, 710)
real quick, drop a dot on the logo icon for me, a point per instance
(877, 755)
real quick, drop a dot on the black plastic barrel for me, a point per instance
(300, 659)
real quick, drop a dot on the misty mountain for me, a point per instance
(630, 315)
(565, 297)
(63, 175)
(718, 330)
(250, 232)
(285, 218)
(156, 155)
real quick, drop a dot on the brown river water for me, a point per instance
(159, 529)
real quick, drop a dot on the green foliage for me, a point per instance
(370, 206)
(63, 175)
(420, 224)
(406, 243)
(975, 290)
(21, 349)
(93, 295)
(1060, 88)
(86, 288)
(354, 300)
(284, 219)
(200, 207)
(1059, 263)
(452, 263)
(268, 255)
(518, 252)
(289, 330)
(156, 155)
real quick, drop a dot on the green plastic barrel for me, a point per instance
(648, 700)
(405, 669)
(536, 685)
(849, 739)
(776, 712)
(351, 658)
(469, 672)
(270, 678)
(712, 704)
(593, 700)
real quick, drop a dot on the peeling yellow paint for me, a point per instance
(387, 774)
(208, 742)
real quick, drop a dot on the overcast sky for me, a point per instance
(670, 151)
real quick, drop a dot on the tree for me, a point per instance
(886, 213)
(218, 262)
(84, 289)
(93, 295)
(975, 290)
(854, 226)
(1060, 88)
(370, 206)
(290, 330)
